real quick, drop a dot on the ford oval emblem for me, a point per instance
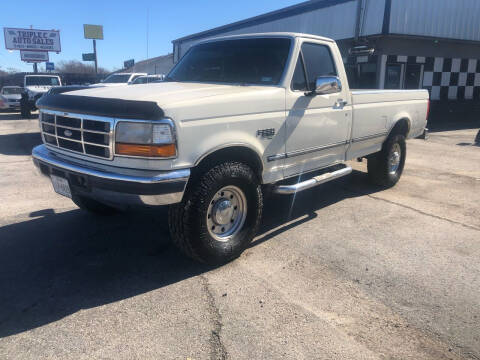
(67, 133)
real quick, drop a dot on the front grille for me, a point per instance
(78, 133)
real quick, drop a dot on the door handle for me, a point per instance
(340, 103)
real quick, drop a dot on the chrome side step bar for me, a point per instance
(307, 184)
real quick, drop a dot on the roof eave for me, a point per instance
(281, 13)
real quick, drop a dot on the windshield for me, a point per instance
(11, 91)
(246, 61)
(42, 81)
(117, 78)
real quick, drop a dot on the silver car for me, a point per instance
(10, 97)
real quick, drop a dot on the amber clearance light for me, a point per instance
(167, 150)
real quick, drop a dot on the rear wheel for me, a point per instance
(220, 214)
(386, 167)
(93, 206)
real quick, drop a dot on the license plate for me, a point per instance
(61, 186)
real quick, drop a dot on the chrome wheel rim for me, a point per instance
(226, 213)
(394, 159)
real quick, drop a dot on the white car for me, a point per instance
(10, 96)
(118, 79)
(269, 110)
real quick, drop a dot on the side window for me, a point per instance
(299, 81)
(318, 62)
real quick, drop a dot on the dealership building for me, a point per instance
(385, 44)
(157, 65)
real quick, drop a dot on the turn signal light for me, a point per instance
(145, 150)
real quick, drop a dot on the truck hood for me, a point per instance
(107, 84)
(164, 93)
(187, 101)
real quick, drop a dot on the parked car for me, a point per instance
(118, 79)
(3, 103)
(11, 96)
(34, 86)
(260, 111)
(147, 79)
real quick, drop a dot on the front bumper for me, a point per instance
(112, 185)
(10, 105)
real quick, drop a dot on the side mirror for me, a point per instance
(328, 85)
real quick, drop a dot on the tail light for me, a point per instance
(428, 109)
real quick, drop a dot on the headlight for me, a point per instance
(146, 139)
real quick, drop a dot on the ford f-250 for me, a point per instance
(234, 115)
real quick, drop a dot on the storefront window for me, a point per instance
(412, 76)
(393, 76)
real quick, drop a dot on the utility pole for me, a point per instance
(95, 52)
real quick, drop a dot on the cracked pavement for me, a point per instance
(343, 271)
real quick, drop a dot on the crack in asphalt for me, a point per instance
(218, 349)
(472, 227)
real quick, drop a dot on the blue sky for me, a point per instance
(124, 24)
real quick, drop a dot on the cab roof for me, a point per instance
(292, 35)
(42, 75)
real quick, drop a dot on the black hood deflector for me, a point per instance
(116, 108)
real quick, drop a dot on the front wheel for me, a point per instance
(220, 214)
(386, 167)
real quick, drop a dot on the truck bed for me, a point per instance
(376, 111)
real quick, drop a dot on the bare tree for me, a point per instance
(12, 70)
(77, 67)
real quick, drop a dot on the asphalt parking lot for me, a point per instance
(343, 271)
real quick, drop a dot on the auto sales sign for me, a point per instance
(32, 39)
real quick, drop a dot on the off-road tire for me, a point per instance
(379, 164)
(93, 206)
(188, 219)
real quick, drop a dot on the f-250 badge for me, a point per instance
(266, 133)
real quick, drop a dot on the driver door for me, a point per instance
(317, 126)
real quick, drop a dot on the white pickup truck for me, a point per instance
(34, 86)
(119, 79)
(235, 115)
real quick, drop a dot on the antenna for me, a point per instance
(148, 12)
